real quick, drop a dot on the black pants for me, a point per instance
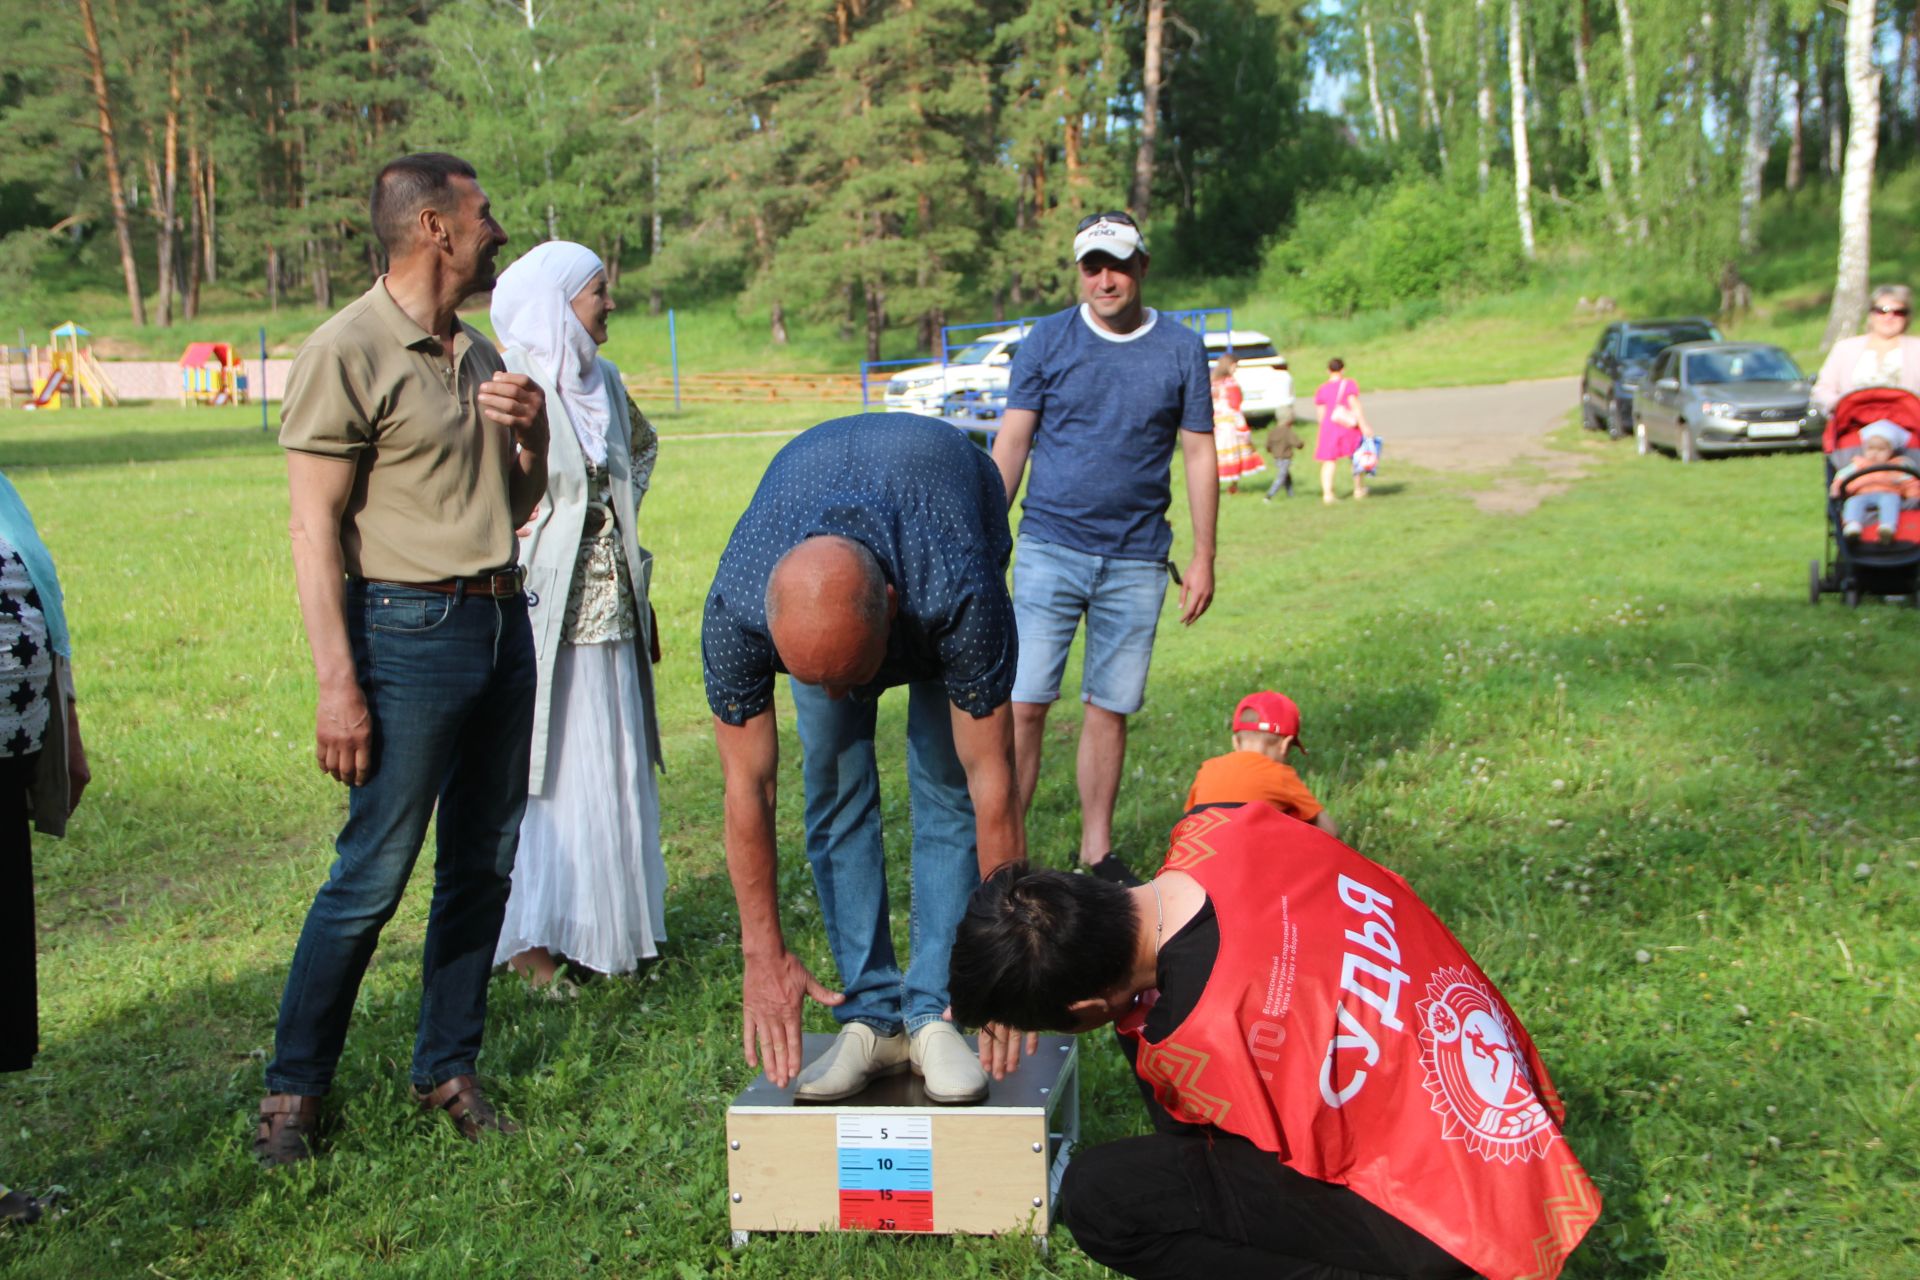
(19, 1001)
(1211, 1205)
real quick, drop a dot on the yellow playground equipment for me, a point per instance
(212, 373)
(68, 372)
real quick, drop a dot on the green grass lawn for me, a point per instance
(1667, 804)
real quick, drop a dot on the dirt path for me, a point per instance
(1494, 429)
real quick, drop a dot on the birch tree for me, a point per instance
(1635, 144)
(1382, 123)
(1797, 144)
(1483, 94)
(1856, 183)
(1522, 163)
(1596, 138)
(1759, 63)
(1429, 98)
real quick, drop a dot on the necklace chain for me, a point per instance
(1158, 916)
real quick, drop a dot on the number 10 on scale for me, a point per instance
(886, 1172)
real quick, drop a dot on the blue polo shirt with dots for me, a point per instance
(931, 508)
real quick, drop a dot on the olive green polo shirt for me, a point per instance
(430, 498)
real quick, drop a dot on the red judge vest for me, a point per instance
(1344, 1029)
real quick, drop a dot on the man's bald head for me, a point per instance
(828, 610)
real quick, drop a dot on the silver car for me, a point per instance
(1702, 398)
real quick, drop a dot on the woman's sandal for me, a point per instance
(17, 1208)
(461, 1098)
(289, 1123)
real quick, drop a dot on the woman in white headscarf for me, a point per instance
(589, 882)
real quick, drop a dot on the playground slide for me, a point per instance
(56, 382)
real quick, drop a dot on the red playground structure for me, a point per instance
(212, 373)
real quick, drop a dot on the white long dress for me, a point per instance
(589, 881)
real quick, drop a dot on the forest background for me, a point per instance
(865, 171)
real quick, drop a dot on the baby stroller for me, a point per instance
(1869, 566)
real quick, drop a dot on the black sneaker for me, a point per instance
(1111, 868)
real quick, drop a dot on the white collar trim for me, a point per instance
(1086, 318)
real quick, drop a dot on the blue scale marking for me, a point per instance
(885, 1169)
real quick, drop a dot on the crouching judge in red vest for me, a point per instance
(1338, 1091)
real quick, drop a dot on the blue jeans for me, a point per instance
(449, 686)
(1053, 586)
(1881, 508)
(1282, 476)
(849, 862)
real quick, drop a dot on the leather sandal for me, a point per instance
(289, 1123)
(461, 1098)
(18, 1209)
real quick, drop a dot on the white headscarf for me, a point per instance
(533, 310)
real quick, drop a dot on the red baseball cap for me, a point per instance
(1268, 712)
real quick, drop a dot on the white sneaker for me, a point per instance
(949, 1069)
(859, 1053)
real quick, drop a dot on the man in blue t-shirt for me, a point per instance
(874, 554)
(1098, 395)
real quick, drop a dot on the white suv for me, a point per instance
(979, 366)
(1265, 384)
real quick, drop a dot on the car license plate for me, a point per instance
(1772, 430)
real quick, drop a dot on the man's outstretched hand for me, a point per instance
(1000, 1049)
(772, 991)
(1000, 1046)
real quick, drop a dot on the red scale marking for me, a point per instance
(886, 1211)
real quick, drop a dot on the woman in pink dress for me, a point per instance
(1343, 425)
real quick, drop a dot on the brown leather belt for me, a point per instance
(497, 585)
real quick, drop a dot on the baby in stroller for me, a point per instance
(1873, 546)
(1876, 484)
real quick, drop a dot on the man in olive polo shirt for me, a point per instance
(412, 456)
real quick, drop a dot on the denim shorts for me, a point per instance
(1053, 587)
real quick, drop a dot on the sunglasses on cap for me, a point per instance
(1125, 219)
(1890, 311)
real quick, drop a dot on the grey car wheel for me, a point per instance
(1618, 424)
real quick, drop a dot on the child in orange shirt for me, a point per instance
(1265, 728)
(1878, 495)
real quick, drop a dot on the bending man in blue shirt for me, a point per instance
(1098, 395)
(873, 554)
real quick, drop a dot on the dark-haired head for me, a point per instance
(1034, 943)
(1336, 364)
(408, 186)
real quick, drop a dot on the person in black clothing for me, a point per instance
(43, 771)
(1050, 951)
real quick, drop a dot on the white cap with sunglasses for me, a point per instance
(1113, 234)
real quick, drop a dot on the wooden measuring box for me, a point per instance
(892, 1159)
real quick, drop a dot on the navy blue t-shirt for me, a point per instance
(1110, 410)
(931, 508)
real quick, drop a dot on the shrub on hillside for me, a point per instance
(1355, 249)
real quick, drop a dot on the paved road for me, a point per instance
(1499, 429)
(1467, 428)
